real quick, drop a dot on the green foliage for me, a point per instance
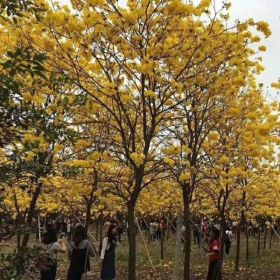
(15, 8)
(22, 61)
(17, 264)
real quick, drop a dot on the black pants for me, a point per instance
(227, 246)
(196, 238)
(49, 274)
(214, 271)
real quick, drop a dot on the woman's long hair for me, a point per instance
(50, 236)
(79, 235)
(110, 234)
(216, 233)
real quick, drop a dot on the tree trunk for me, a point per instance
(90, 200)
(39, 228)
(17, 222)
(277, 232)
(222, 251)
(101, 227)
(176, 272)
(264, 238)
(238, 233)
(259, 242)
(131, 241)
(247, 243)
(223, 235)
(187, 248)
(30, 215)
(97, 229)
(271, 237)
(18, 231)
(89, 205)
(161, 244)
(237, 256)
(139, 173)
(168, 230)
(18, 239)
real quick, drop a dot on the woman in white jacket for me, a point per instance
(107, 255)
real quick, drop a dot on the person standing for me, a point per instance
(183, 234)
(106, 227)
(69, 229)
(196, 234)
(79, 252)
(107, 255)
(205, 231)
(228, 239)
(152, 230)
(48, 261)
(214, 270)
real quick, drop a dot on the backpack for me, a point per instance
(44, 261)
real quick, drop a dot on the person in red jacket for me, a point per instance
(214, 270)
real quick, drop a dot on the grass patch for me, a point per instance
(264, 266)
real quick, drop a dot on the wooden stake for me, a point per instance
(145, 245)
(39, 228)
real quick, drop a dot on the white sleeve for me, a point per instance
(57, 247)
(104, 247)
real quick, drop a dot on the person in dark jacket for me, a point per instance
(227, 241)
(107, 255)
(79, 252)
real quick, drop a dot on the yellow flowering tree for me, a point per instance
(31, 117)
(132, 62)
(130, 82)
(139, 63)
(211, 92)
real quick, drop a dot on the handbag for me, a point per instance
(86, 275)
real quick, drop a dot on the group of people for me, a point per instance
(156, 228)
(155, 231)
(79, 249)
(202, 232)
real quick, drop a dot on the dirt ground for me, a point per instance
(245, 273)
(263, 266)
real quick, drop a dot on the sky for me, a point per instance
(267, 10)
